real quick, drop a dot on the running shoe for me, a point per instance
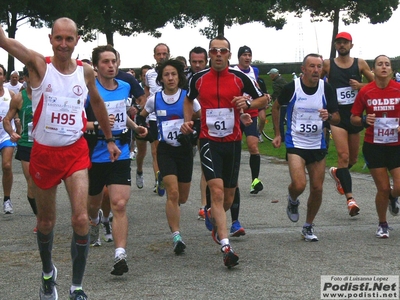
(394, 206)
(332, 173)
(237, 229)
(132, 155)
(107, 230)
(292, 210)
(352, 207)
(382, 232)
(120, 267)
(256, 186)
(155, 187)
(207, 218)
(202, 215)
(179, 245)
(160, 185)
(230, 257)
(78, 295)
(48, 290)
(94, 232)
(308, 234)
(139, 180)
(7, 207)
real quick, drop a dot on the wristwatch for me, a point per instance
(110, 140)
(248, 104)
(96, 126)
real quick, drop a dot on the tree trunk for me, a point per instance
(335, 31)
(12, 29)
(110, 38)
(221, 26)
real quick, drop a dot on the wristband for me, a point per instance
(364, 121)
(110, 140)
(248, 104)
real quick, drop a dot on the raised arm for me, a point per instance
(35, 62)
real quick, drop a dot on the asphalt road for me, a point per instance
(275, 263)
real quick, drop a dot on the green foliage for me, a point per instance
(225, 13)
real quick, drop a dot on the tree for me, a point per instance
(36, 13)
(225, 13)
(378, 11)
(127, 17)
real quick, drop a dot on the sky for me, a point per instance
(297, 38)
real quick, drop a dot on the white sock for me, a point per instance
(224, 242)
(74, 288)
(119, 251)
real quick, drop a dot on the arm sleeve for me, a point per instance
(149, 107)
(358, 105)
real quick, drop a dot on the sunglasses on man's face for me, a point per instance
(215, 51)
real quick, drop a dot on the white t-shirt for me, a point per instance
(13, 88)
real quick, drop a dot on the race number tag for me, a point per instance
(220, 121)
(171, 130)
(385, 130)
(63, 115)
(118, 109)
(308, 121)
(346, 95)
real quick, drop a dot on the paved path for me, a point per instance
(274, 262)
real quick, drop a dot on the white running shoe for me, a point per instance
(382, 232)
(7, 207)
(139, 180)
(308, 234)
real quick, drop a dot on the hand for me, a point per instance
(132, 111)
(246, 119)
(323, 114)
(276, 142)
(14, 137)
(354, 84)
(141, 131)
(370, 119)
(240, 102)
(114, 151)
(111, 119)
(187, 127)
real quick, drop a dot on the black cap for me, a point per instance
(244, 49)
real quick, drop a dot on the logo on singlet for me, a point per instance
(49, 89)
(77, 89)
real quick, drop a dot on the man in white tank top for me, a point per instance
(310, 102)
(59, 88)
(6, 146)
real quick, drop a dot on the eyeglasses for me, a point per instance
(215, 51)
